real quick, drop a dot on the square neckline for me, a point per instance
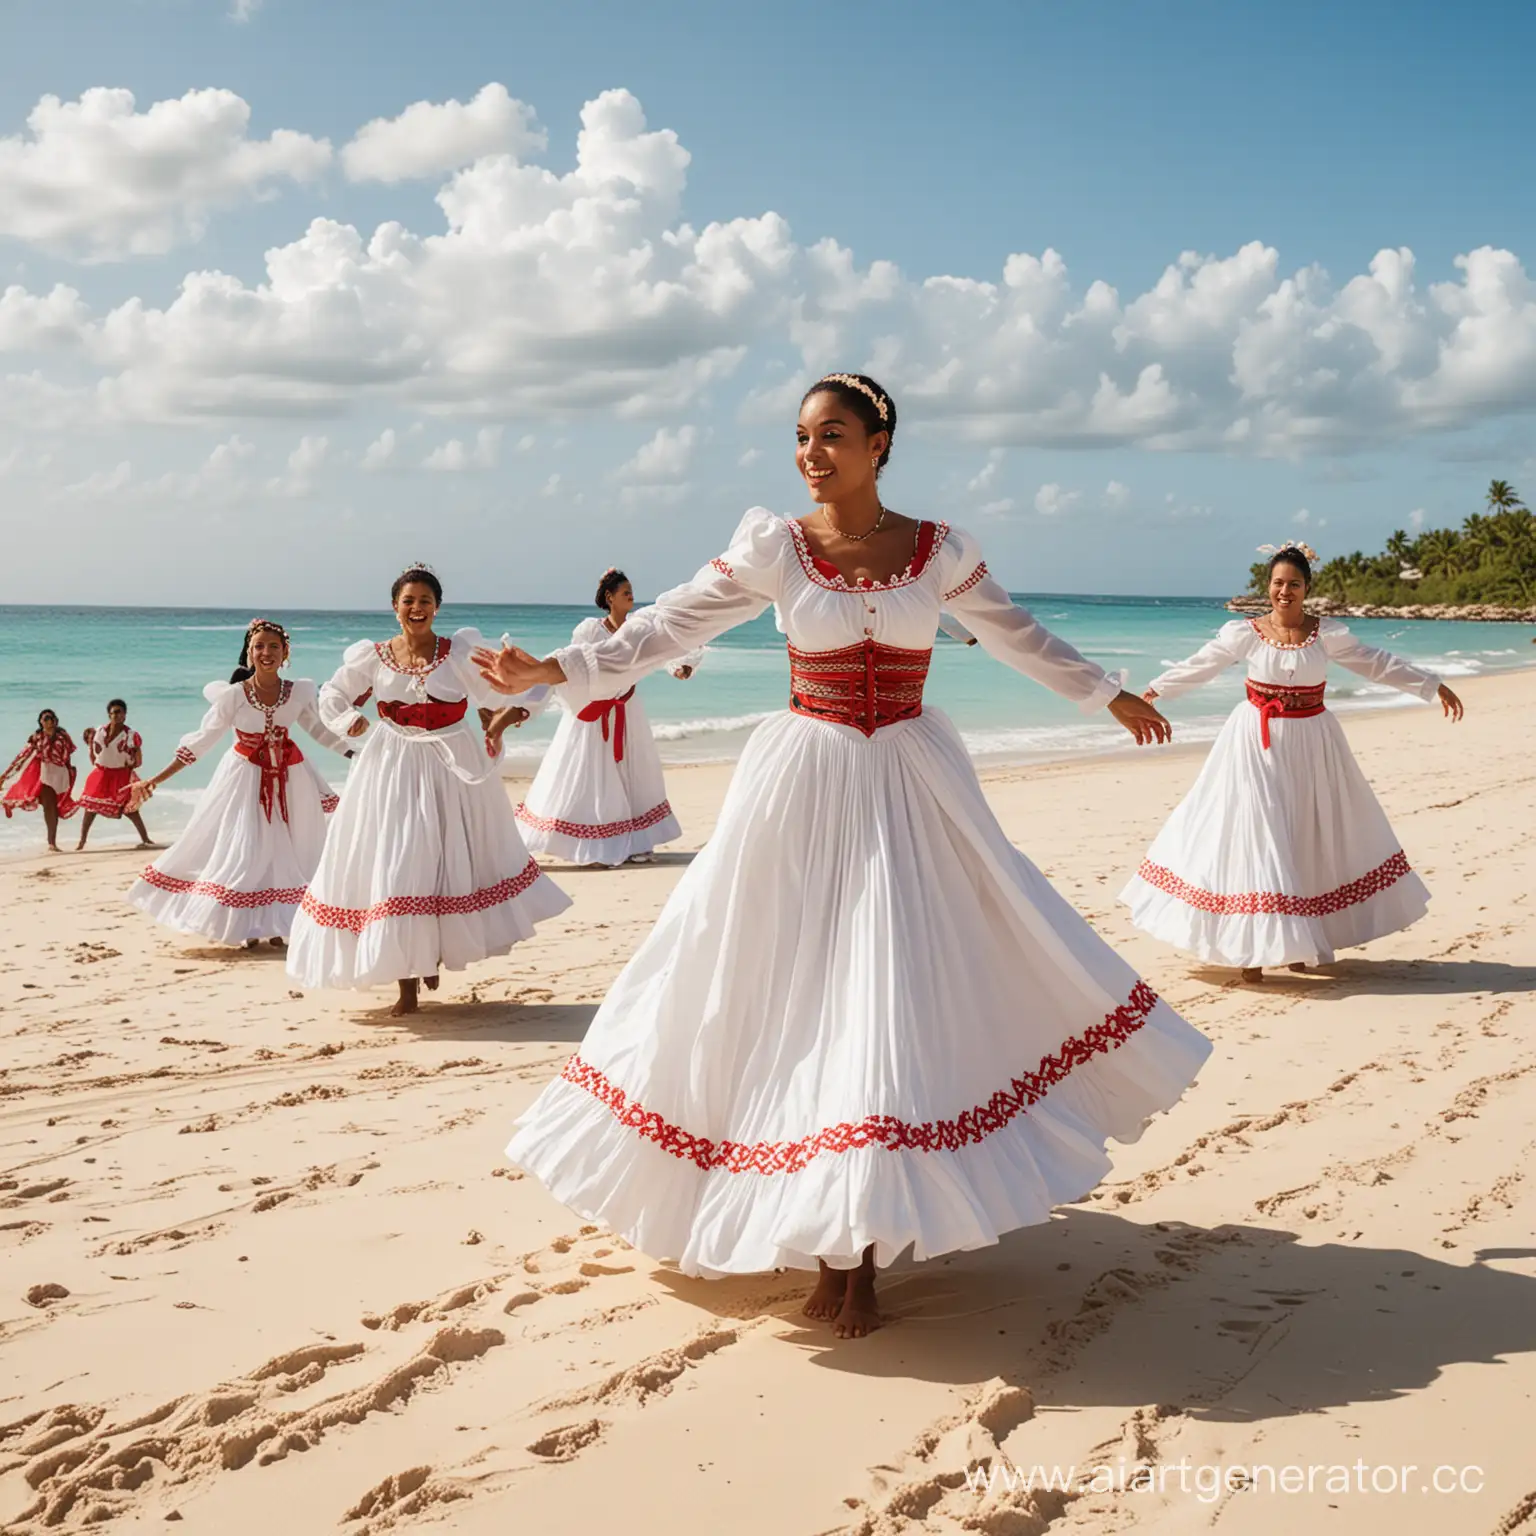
(930, 536)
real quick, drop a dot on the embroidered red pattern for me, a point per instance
(328, 803)
(386, 655)
(887, 1131)
(930, 536)
(724, 568)
(978, 575)
(1252, 903)
(355, 919)
(283, 896)
(657, 813)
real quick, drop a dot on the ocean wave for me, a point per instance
(710, 725)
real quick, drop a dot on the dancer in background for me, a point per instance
(864, 1022)
(423, 864)
(600, 796)
(237, 873)
(47, 781)
(117, 751)
(1280, 854)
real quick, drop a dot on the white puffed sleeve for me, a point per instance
(1012, 634)
(307, 697)
(1378, 666)
(1232, 643)
(732, 589)
(351, 681)
(220, 718)
(956, 630)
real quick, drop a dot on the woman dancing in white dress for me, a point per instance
(600, 796)
(1280, 854)
(423, 864)
(237, 873)
(863, 1022)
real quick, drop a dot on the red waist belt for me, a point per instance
(434, 715)
(865, 686)
(606, 709)
(274, 756)
(1275, 703)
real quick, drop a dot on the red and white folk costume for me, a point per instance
(113, 761)
(1279, 853)
(46, 762)
(863, 1017)
(600, 796)
(423, 867)
(239, 869)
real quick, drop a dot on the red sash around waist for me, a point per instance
(1276, 703)
(604, 709)
(434, 715)
(865, 686)
(274, 755)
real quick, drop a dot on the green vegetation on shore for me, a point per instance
(1491, 558)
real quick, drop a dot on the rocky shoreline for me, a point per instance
(1476, 613)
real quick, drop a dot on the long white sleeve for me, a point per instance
(219, 719)
(956, 630)
(309, 718)
(730, 590)
(1211, 660)
(352, 680)
(1379, 666)
(1016, 637)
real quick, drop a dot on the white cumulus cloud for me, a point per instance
(1051, 500)
(99, 179)
(431, 138)
(1117, 496)
(456, 456)
(665, 458)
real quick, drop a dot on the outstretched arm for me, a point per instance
(219, 719)
(1383, 667)
(1211, 660)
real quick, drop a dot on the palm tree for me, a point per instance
(1400, 546)
(1502, 497)
(1439, 552)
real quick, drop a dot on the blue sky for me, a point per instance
(938, 140)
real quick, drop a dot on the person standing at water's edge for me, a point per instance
(47, 782)
(1280, 854)
(600, 796)
(238, 872)
(117, 753)
(863, 1022)
(423, 864)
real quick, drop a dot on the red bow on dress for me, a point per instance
(603, 709)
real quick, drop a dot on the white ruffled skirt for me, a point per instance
(585, 806)
(1276, 856)
(862, 1018)
(233, 875)
(422, 871)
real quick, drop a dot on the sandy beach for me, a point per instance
(265, 1267)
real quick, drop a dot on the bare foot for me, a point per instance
(252, 943)
(1300, 965)
(642, 858)
(147, 844)
(54, 848)
(407, 1002)
(826, 1301)
(432, 982)
(1252, 973)
(278, 943)
(860, 1312)
(79, 847)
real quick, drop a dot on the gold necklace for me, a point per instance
(854, 538)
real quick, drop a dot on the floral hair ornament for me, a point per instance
(419, 565)
(1296, 544)
(270, 624)
(850, 381)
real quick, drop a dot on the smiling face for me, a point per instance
(416, 607)
(1287, 587)
(833, 451)
(267, 652)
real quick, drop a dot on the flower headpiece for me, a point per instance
(852, 381)
(1289, 544)
(272, 624)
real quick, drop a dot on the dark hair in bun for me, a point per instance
(611, 581)
(1291, 555)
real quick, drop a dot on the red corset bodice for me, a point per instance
(1275, 701)
(866, 685)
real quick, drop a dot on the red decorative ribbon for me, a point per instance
(434, 715)
(1284, 704)
(865, 686)
(274, 756)
(603, 709)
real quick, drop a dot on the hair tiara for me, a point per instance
(419, 565)
(853, 381)
(1289, 544)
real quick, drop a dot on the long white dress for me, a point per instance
(600, 795)
(423, 867)
(863, 1017)
(1279, 854)
(239, 870)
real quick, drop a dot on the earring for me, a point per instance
(874, 463)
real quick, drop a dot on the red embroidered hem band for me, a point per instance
(885, 1131)
(283, 896)
(355, 919)
(1274, 702)
(598, 832)
(865, 686)
(1252, 903)
(604, 709)
(434, 715)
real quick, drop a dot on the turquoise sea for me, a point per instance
(158, 659)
